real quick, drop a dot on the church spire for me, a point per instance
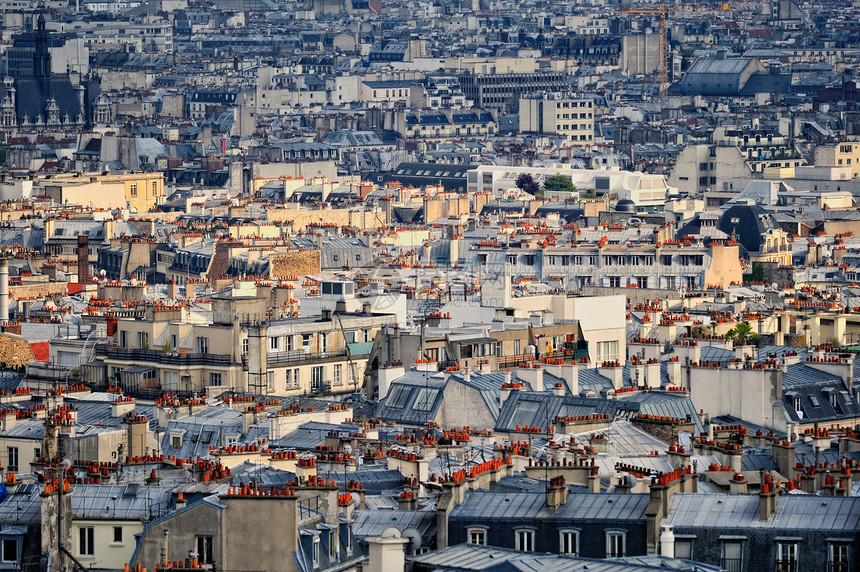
(42, 57)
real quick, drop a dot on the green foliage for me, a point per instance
(742, 333)
(558, 183)
(525, 182)
(758, 274)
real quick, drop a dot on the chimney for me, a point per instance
(667, 540)
(83, 258)
(4, 290)
(594, 481)
(506, 389)
(614, 372)
(782, 453)
(386, 375)
(766, 501)
(532, 375)
(386, 554)
(556, 493)
(738, 484)
(570, 375)
(673, 372)
(652, 374)
(637, 374)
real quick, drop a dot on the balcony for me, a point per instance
(358, 350)
(274, 359)
(161, 357)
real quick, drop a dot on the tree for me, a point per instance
(525, 182)
(742, 333)
(558, 184)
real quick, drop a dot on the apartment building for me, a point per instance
(552, 114)
(241, 350)
(842, 154)
(139, 192)
(494, 90)
(648, 191)
(671, 265)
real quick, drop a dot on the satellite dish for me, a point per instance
(391, 532)
(67, 463)
(414, 538)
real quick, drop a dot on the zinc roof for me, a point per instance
(793, 512)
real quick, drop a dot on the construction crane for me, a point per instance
(663, 13)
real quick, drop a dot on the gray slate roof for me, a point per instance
(793, 512)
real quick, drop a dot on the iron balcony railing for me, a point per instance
(162, 357)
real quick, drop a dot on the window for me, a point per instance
(10, 550)
(838, 557)
(289, 343)
(143, 340)
(607, 351)
(331, 544)
(516, 347)
(273, 343)
(337, 375)
(270, 381)
(132, 189)
(245, 347)
(478, 536)
(154, 187)
(13, 459)
(306, 342)
(684, 548)
(117, 534)
(568, 542)
(175, 441)
(732, 555)
(786, 557)
(525, 540)
(316, 549)
(317, 376)
(123, 339)
(346, 535)
(86, 544)
(425, 399)
(204, 550)
(615, 541)
(614, 281)
(202, 345)
(215, 379)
